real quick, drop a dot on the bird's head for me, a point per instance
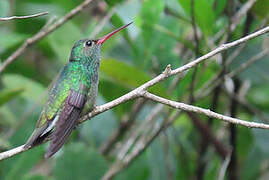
(90, 49)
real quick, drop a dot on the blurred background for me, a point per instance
(140, 139)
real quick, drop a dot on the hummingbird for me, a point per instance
(72, 95)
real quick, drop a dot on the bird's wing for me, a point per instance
(67, 120)
(50, 113)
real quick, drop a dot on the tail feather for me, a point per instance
(36, 138)
(62, 132)
(42, 133)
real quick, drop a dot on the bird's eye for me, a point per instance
(88, 43)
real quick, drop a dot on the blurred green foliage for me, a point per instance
(161, 35)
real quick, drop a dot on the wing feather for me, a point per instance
(67, 121)
(49, 114)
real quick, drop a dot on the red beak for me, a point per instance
(106, 37)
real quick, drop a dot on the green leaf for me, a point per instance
(220, 6)
(261, 8)
(128, 75)
(32, 90)
(204, 15)
(79, 161)
(8, 94)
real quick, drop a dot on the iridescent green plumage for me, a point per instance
(73, 94)
(80, 75)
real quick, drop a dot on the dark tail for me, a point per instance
(36, 138)
(63, 130)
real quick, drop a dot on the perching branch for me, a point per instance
(12, 152)
(41, 34)
(206, 112)
(22, 17)
(141, 91)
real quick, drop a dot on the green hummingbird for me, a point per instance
(72, 95)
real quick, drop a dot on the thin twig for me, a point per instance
(242, 11)
(41, 34)
(223, 167)
(23, 17)
(206, 112)
(234, 21)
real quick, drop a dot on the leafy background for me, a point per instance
(160, 35)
